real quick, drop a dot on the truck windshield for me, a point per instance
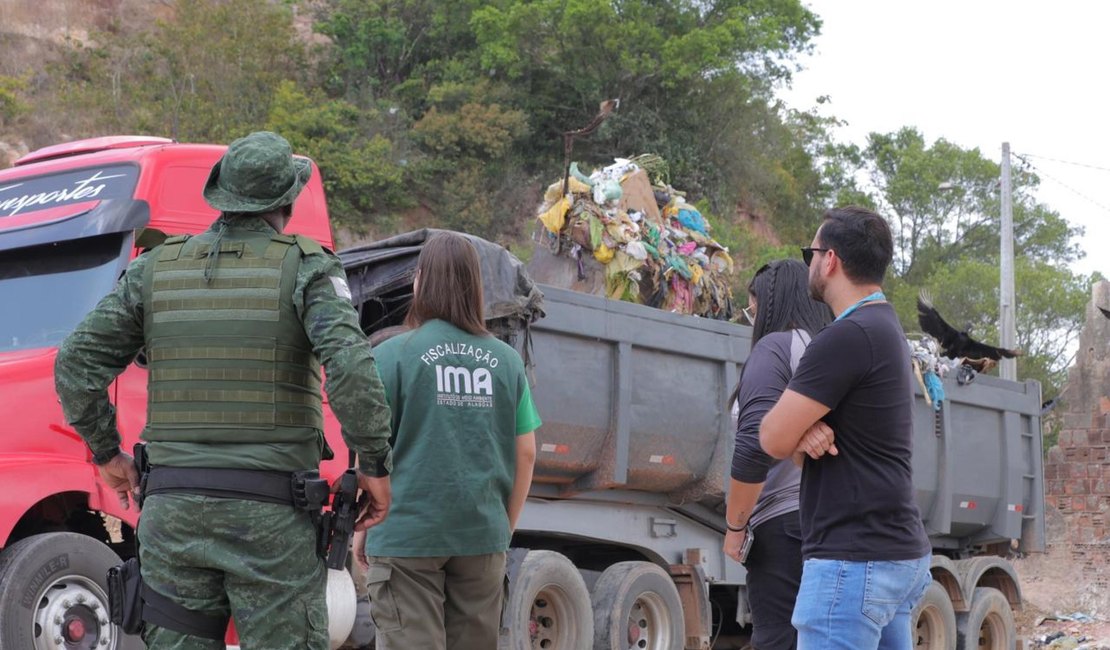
(46, 290)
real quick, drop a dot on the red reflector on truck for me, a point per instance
(552, 448)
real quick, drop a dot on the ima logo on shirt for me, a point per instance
(459, 386)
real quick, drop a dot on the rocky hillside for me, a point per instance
(32, 34)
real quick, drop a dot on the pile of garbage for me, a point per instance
(654, 247)
(1074, 636)
(930, 366)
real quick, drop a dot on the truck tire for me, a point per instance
(548, 606)
(55, 595)
(934, 621)
(636, 605)
(989, 624)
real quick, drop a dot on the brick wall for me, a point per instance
(1077, 469)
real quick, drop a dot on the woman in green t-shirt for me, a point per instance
(463, 452)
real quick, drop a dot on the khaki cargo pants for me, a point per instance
(254, 560)
(437, 603)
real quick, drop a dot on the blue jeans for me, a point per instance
(858, 605)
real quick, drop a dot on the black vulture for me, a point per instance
(957, 344)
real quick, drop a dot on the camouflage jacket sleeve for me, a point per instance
(91, 358)
(354, 388)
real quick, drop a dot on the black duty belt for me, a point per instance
(133, 603)
(253, 485)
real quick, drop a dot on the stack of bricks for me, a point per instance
(1077, 470)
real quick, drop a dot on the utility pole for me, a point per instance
(1007, 367)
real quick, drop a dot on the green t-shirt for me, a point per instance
(459, 401)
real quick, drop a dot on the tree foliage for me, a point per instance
(943, 205)
(459, 107)
(13, 104)
(355, 157)
(491, 86)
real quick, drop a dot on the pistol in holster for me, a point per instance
(345, 507)
(335, 526)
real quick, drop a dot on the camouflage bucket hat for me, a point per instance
(258, 173)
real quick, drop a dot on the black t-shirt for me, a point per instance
(859, 505)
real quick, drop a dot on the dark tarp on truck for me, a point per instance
(380, 276)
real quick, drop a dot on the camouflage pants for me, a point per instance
(255, 560)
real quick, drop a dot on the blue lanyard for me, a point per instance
(878, 295)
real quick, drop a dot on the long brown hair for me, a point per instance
(449, 285)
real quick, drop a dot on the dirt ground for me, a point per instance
(1055, 586)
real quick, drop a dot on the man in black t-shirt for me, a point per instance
(866, 552)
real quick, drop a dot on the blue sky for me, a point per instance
(978, 73)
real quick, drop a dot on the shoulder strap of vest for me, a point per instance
(309, 246)
(171, 248)
(167, 250)
(279, 246)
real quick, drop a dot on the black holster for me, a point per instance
(125, 596)
(338, 525)
(132, 604)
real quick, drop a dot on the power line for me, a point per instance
(1022, 158)
(1066, 162)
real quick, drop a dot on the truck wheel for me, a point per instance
(934, 620)
(548, 605)
(55, 595)
(989, 624)
(636, 605)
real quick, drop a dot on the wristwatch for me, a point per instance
(102, 457)
(735, 529)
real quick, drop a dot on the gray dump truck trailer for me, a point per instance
(619, 545)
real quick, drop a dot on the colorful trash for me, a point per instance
(654, 247)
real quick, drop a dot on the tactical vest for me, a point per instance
(229, 360)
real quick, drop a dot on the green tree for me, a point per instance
(694, 79)
(942, 203)
(358, 163)
(491, 86)
(1050, 304)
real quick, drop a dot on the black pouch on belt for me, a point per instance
(125, 596)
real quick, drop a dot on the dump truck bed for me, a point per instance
(634, 399)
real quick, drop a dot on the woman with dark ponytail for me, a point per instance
(762, 505)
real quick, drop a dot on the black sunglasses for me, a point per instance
(808, 251)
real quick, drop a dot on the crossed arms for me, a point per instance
(793, 428)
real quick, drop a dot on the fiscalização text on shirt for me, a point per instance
(462, 385)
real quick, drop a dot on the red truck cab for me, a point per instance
(70, 220)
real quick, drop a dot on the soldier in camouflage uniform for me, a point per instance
(235, 323)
